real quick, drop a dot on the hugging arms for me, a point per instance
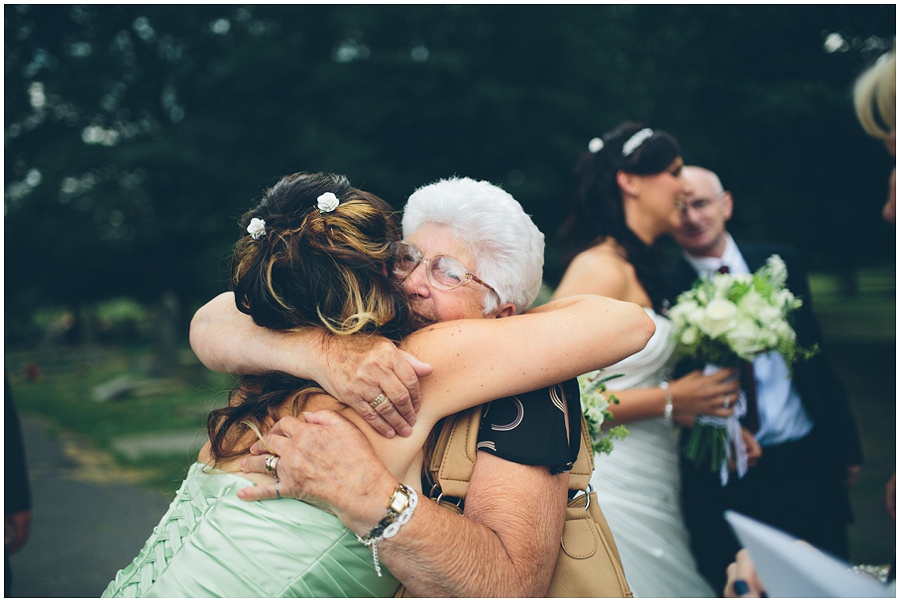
(514, 513)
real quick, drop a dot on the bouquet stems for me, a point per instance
(707, 441)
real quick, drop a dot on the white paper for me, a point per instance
(791, 568)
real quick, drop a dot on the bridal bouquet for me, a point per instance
(727, 319)
(595, 402)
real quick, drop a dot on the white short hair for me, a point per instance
(508, 247)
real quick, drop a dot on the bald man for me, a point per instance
(810, 445)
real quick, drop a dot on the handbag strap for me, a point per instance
(453, 459)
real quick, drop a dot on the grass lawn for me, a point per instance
(64, 394)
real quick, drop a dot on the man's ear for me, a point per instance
(727, 205)
(505, 311)
(627, 183)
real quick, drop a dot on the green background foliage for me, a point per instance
(135, 135)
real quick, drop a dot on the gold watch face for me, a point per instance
(400, 501)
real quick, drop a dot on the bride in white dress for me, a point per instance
(629, 191)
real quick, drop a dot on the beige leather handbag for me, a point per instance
(588, 565)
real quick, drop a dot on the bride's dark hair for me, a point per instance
(305, 267)
(596, 200)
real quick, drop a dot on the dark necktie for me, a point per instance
(748, 384)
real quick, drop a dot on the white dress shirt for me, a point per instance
(782, 417)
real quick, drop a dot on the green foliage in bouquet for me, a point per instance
(595, 402)
(728, 318)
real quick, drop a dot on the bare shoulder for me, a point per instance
(599, 270)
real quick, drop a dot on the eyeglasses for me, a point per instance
(442, 271)
(700, 205)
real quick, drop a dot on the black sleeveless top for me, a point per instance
(538, 428)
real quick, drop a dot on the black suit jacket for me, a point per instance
(819, 510)
(822, 393)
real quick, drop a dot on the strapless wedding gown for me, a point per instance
(210, 544)
(638, 485)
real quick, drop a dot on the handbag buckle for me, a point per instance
(436, 488)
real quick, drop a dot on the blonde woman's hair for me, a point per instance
(875, 97)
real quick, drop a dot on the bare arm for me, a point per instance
(480, 360)
(515, 514)
(692, 394)
(354, 369)
(601, 272)
(503, 545)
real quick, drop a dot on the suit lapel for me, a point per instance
(682, 277)
(754, 256)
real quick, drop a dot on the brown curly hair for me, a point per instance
(309, 269)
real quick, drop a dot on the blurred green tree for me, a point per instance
(136, 134)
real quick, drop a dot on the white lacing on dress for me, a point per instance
(192, 501)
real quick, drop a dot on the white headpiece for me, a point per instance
(637, 139)
(595, 145)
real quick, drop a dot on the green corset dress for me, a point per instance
(212, 544)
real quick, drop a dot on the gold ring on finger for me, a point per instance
(378, 401)
(272, 466)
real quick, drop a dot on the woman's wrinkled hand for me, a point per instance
(323, 459)
(360, 368)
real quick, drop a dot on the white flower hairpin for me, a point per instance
(327, 202)
(595, 145)
(257, 228)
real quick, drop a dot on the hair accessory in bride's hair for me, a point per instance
(257, 228)
(327, 202)
(637, 139)
(595, 145)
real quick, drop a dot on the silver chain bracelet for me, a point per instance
(400, 509)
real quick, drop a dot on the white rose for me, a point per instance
(767, 338)
(689, 336)
(327, 202)
(594, 413)
(752, 303)
(718, 317)
(744, 340)
(722, 283)
(680, 313)
(768, 314)
(257, 228)
(786, 300)
(783, 330)
(696, 316)
(777, 270)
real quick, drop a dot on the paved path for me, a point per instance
(83, 529)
